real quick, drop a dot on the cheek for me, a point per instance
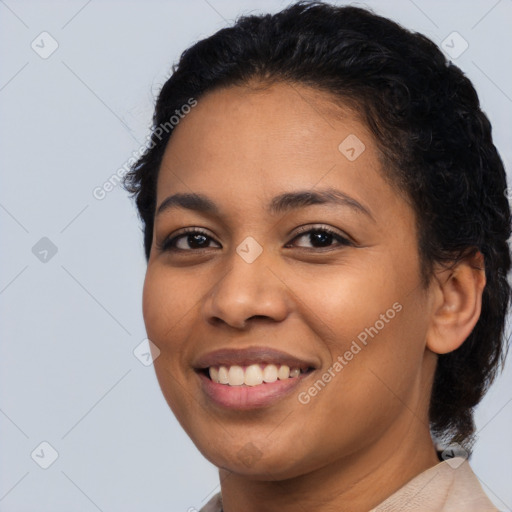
(156, 308)
(345, 301)
(165, 305)
(384, 361)
(164, 310)
(374, 328)
(368, 383)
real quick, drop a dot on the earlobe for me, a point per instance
(457, 303)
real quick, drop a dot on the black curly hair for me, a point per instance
(435, 141)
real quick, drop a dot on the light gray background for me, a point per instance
(69, 325)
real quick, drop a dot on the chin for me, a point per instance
(246, 459)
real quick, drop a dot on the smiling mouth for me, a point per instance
(253, 374)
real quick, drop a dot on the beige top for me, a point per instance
(450, 486)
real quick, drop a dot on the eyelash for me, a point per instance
(168, 245)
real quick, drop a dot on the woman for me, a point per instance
(326, 232)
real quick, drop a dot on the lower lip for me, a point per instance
(248, 397)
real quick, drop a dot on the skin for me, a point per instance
(365, 434)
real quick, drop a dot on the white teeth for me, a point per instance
(252, 375)
(283, 372)
(270, 373)
(236, 376)
(223, 375)
(214, 374)
(294, 372)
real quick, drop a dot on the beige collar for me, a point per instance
(450, 486)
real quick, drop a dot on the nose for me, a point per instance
(247, 291)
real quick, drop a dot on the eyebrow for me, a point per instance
(280, 204)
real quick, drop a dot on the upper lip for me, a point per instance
(248, 356)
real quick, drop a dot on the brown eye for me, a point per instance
(322, 237)
(190, 240)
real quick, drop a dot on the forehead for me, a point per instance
(259, 141)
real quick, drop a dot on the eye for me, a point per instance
(321, 237)
(191, 239)
(196, 239)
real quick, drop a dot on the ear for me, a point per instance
(456, 305)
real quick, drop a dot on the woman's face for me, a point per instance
(263, 289)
